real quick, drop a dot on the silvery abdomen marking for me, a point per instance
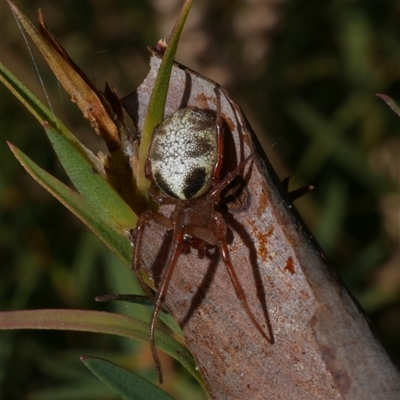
(183, 153)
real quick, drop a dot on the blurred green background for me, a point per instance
(304, 72)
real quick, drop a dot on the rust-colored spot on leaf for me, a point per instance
(202, 101)
(270, 232)
(230, 123)
(262, 239)
(290, 265)
(262, 245)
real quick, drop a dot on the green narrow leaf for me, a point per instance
(85, 173)
(117, 242)
(91, 185)
(333, 213)
(42, 113)
(99, 322)
(126, 384)
(145, 302)
(156, 106)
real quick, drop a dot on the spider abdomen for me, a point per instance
(183, 153)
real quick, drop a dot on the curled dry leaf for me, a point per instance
(103, 111)
(323, 346)
(89, 100)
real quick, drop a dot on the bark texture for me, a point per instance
(324, 348)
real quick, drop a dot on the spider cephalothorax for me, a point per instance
(184, 164)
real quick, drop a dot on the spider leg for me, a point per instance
(177, 245)
(224, 251)
(220, 139)
(144, 218)
(214, 193)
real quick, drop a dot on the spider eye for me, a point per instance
(183, 153)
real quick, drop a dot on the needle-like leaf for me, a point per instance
(127, 385)
(156, 106)
(99, 322)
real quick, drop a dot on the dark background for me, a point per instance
(304, 72)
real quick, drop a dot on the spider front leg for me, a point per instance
(144, 218)
(177, 244)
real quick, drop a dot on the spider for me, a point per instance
(183, 165)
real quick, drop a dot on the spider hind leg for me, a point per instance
(224, 252)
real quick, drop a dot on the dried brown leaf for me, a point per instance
(323, 346)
